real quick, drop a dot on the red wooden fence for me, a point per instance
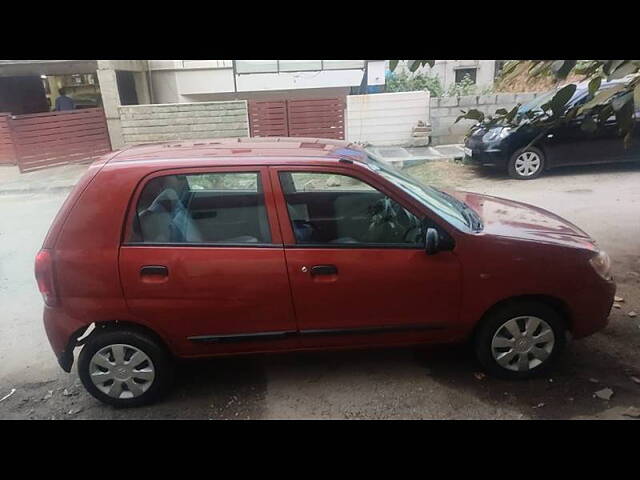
(268, 119)
(46, 139)
(322, 118)
(7, 152)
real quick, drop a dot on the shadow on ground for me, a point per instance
(500, 174)
(394, 383)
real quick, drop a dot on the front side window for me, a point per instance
(335, 209)
(203, 208)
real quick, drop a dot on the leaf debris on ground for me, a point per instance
(633, 412)
(13, 390)
(604, 394)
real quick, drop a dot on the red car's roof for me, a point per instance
(279, 148)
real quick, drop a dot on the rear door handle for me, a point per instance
(154, 270)
(324, 270)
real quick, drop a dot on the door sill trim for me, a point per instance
(279, 335)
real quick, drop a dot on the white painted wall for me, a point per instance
(385, 118)
(195, 82)
(255, 82)
(176, 81)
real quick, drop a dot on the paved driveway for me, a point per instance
(401, 383)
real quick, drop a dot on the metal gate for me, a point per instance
(322, 118)
(7, 152)
(46, 139)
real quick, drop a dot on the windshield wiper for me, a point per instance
(469, 214)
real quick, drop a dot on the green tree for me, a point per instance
(405, 82)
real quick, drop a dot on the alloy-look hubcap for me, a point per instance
(527, 164)
(522, 343)
(121, 371)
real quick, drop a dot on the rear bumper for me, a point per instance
(62, 332)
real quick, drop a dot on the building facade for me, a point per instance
(481, 72)
(179, 81)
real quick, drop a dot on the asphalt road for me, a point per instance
(433, 383)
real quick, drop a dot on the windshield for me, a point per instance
(537, 102)
(449, 208)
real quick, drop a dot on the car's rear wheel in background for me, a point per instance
(526, 164)
(520, 340)
(125, 368)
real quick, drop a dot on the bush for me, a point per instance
(404, 82)
(464, 87)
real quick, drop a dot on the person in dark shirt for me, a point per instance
(63, 102)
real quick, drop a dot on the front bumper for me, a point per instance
(591, 309)
(487, 155)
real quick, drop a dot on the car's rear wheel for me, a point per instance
(520, 340)
(124, 368)
(526, 164)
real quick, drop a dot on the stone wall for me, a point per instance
(184, 121)
(445, 110)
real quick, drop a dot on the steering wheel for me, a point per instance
(405, 238)
(383, 219)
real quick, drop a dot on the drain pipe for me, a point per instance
(149, 82)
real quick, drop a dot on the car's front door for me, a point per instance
(571, 144)
(202, 260)
(356, 259)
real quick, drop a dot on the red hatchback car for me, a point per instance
(268, 245)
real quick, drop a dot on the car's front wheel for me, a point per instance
(526, 164)
(124, 368)
(520, 340)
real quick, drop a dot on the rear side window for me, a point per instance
(207, 208)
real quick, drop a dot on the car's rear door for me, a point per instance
(202, 260)
(356, 266)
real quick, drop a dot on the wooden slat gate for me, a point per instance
(46, 139)
(268, 119)
(322, 118)
(7, 152)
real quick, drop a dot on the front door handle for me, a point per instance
(154, 270)
(324, 270)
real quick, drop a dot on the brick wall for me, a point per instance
(183, 121)
(445, 110)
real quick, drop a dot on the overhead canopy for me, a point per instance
(10, 68)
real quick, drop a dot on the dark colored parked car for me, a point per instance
(569, 144)
(165, 251)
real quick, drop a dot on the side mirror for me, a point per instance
(432, 241)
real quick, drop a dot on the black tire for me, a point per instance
(511, 167)
(496, 319)
(162, 364)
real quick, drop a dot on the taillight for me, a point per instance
(44, 277)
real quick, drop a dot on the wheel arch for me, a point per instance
(558, 305)
(100, 327)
